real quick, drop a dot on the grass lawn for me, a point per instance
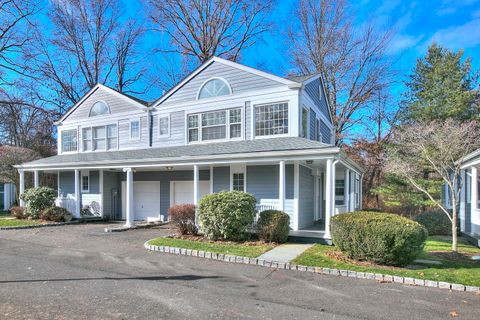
(236, 249)
(6, 221)
(460, 270)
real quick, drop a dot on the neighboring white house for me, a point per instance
(224, 127)
(7, 196)
(469, 197)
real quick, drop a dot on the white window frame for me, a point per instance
(139, 129)
(166, 135)
(62, 140)
(236, 169)
(227, 124)
(83, 175)
(90, 111)
(254, 120)
(91, 128)
(210, 79)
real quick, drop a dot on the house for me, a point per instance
(469, 211)
(226, 126)
(7, 195)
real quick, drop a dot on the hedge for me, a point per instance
(436, 222)
(382, 238)
(273, 226)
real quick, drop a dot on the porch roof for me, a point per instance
(220, 150)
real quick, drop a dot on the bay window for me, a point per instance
(69, 140)
(271, 119)
(215, 125)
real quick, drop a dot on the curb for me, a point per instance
(35, 226)
(319, 270)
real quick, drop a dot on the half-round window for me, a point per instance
(99, 108)
(214, 88)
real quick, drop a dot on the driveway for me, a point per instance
(80, 272)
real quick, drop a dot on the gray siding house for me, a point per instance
(224, 127)
(7, 195)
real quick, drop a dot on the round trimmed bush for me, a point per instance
(378, 237)
(226, 215)
(273, 226)
(18, 212)
(56, 214)
(436, 222)
(37, 200)
(183, 216)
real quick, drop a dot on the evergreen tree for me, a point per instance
(442, 86)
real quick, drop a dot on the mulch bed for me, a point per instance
(206, 240)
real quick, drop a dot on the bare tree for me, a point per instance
(351, 59)
(435, 150)
(87, 46)
(14, 26)
(206, 28)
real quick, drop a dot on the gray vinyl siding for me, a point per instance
(67, 183)
(165, 177)
(111, 204)
(468, 204)
(177, 130)
(313, 119)
(262, 181)
(221, 179)
(239, 80)
(124, 134)
(326, 132)
(94, 182)
(115, 103)
(248, 121)
(306, 197)
(312, 89)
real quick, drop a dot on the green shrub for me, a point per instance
(273, 226)
(18, 212)
(436, 222)
(379, 237)
(37, 200)
(56, 214)
(226, 215)
(183, 216)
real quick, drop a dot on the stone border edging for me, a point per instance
(137, 226)
(326, 271)
(44, 225)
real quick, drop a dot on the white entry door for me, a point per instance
(181, 192)
(146, 200)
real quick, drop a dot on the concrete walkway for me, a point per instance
(285, 252)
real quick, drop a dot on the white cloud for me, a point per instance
(451, 6)
(457, 37)
(401, 42)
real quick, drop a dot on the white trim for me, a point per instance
(85, 173)
(211, 179)
(166, 135)
(90, 92)
(236, 169)
(139, 128)
(296, 194)
(210, 79)
(62, 151)
(254, 131)
(291, 84)
(100, 187)
(93, 104)
(281, 186)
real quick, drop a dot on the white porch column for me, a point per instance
(360, 193)
(129, 198)
(36, 179)
(352, 190)
(461, 214)
(296, 194)
(100, 183)
(281, 187)
(196, 190)
(22, 186)
(346, 189)
(328, 197)
(77, 193)
(474, 193)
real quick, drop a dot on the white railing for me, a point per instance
(67, 203)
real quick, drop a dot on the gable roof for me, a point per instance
(135, 101)
(290, 83)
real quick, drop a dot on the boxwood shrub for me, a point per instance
(37, 200)
(436, 222)
(273, 226)
(382, 238)
(226, 215)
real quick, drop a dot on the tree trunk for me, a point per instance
(454, 229)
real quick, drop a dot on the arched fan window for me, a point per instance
(213, 88)
(99, 108)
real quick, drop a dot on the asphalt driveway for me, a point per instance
(80, 272)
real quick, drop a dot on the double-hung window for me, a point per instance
(100, 138)
(215, 125)
(69, 140)
(271, 119)
(238, 181)
(112, 142)
(164, 126)
(87, 139)
(135, 129)
(85, 181)
(305, 122)
(340, 192)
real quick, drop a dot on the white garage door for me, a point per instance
(181, 192)
(146, 200)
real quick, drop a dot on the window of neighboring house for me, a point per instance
(135, 129)
(214, 88)
(99, 108)
(69, 140)
(340, 192)
(112, 140)
(271, 119)
(100, 138)
(238, 181)
(304, 122)
(164, 126)
(215, 125)
(85, 182)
